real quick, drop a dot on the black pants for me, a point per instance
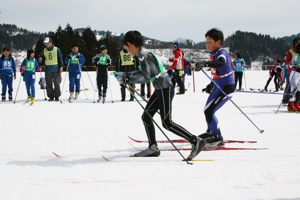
(161, 100)
(238, 76)
(123, 91)
(102, 82)
(273, 73)
(148, 89)
(53, 78)
(178, 79)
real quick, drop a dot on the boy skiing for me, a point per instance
(102, 62)
(75, 61)
(150, 69)
(28, 68)
(7, 73)
(222, 72)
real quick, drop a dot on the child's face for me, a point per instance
(74, 49)
(211, 44)
(6, 53)
(104, 51)
(133, 50)
(32, 55)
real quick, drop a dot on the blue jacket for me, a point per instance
(73, 67)
(31, 59)
(7, 66)
(53, 68)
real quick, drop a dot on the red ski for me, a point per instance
(185, 141)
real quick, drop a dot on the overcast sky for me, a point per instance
(165, 20)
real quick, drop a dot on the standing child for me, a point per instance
(238, 65)
(28, 68)
(221, 70)
(277, 72)
(150, 69)
(7, 72)
(102, 62)
(75, 61)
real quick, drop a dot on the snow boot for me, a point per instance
(296, 105)
(197, 145)
(28, 98)
(152, 151)
(10, 97)
(291, 106)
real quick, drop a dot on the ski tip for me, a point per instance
(133, 155)
(105, 158)
(55, 154)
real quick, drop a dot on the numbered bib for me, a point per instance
(102, 59)
(74, 60)
(30, 66)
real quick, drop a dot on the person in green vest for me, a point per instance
(102, 62)
(53, 68)
(125, 64)
(28, 68)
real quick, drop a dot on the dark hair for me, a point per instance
(278, 61)
(29, 52)
(6, 49)
(215, 34)
(133, 37)
(9, 56)
(295, 41)
(74, 45)
(238, 54)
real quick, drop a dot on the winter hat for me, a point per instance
(176, 44)
(102, 47)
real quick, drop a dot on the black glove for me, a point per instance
(108, 61)
(69, 57)
(15, 76)
(78, 57)
(1, 76)
(125, 78)
(22, 74)
(200, 65)
(209, 88)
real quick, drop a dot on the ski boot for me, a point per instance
(291, 107)
(28, 98)
(197, 145)
(296, 105)
(152, 151)
(32, 100)
(212, 140)
(3, 97)
(104, 96)
(71, 97)
(76, 95)
(100, 96)
(10, 98)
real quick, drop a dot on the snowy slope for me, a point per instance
(82, 131)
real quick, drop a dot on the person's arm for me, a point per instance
(82, 59)
(218, 63)
(60, 60)
(40, 58)
(175, 59)
(67, 59)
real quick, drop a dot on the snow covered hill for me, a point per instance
(82, 131)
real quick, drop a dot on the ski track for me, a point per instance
(82, 131)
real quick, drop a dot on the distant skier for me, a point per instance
(152, 70)
(275, 71)
(238, 65)
(7, 73)
(75, 61)
(295, 81)
(222, 72)
(102, 62)
(28, 68)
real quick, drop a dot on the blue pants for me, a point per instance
(74, 79)
(29, 78)
(102, 82)
(214, 102)
(7, 81)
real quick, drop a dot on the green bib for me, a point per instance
(30, 66)
(51, 56)
(74, 60)
(102, 59)
(161, 68)
(298, 64)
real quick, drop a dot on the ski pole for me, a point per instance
(41, 85)
(64, 80)
(95, 91)
(261, 131)
(17, 89)
(109, 86)
(245, 79)
(156, 124)
(89, 77)
(287, 91)
(82, 80)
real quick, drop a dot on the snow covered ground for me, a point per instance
(82, 131)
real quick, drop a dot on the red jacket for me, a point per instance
(178, 62)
